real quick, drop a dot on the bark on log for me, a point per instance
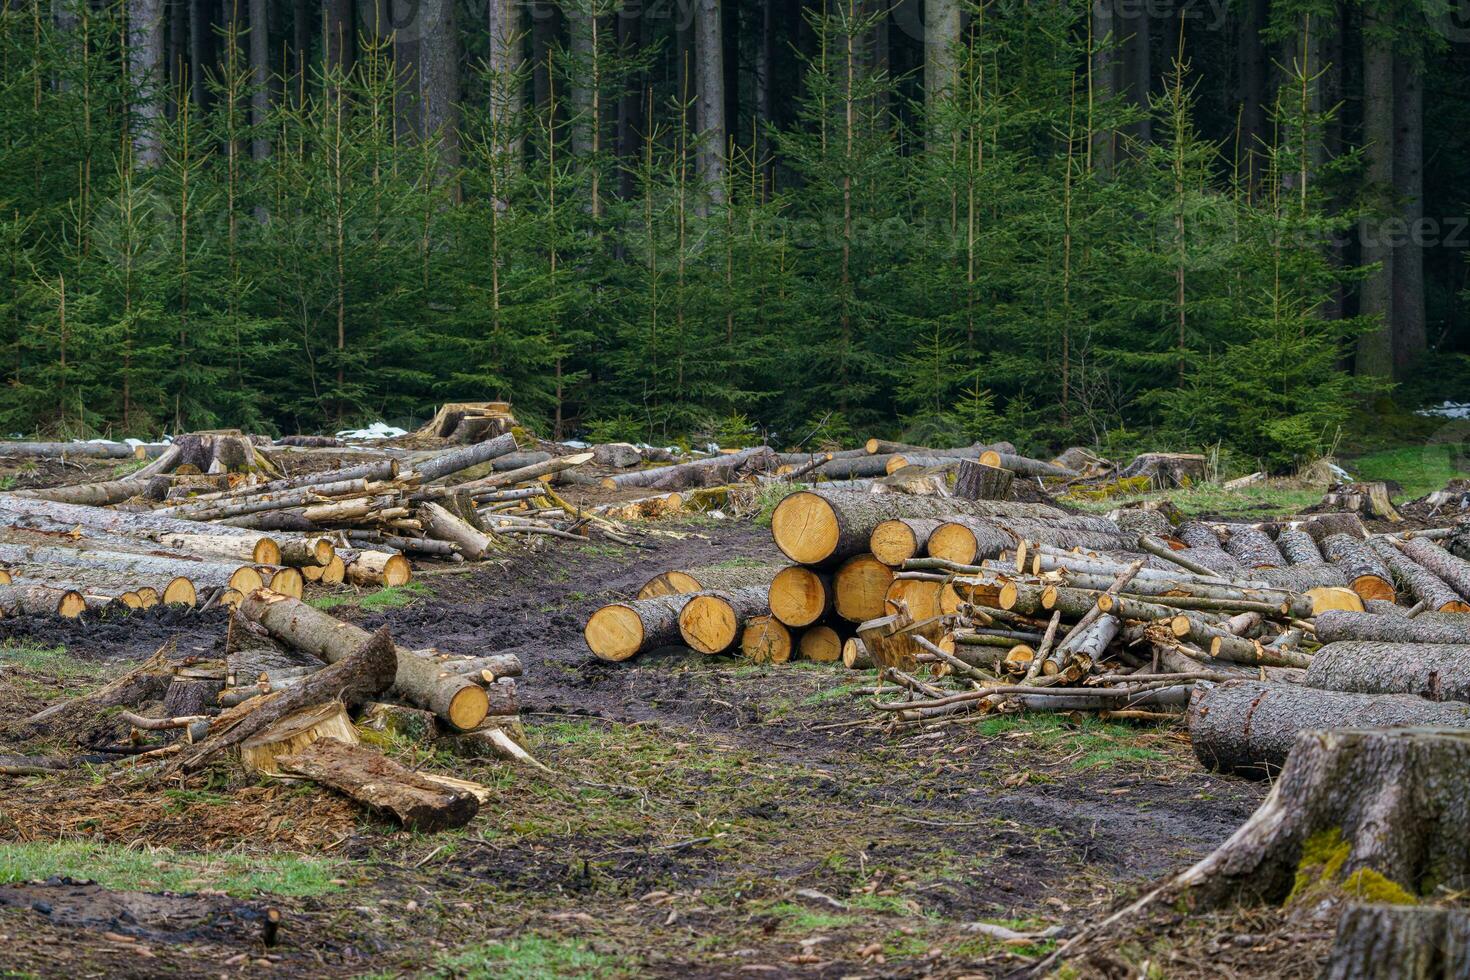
(618, 455)
(699, 473)
(368, 568)
(620, 630)
(37, 599)
(854, 467)
(377, 471)
(1455, 571)
(821, 525)
(87, 450)
(712, 579)
(976, 481)
(1323, 526)
(49, 515)
(1365, 571)
(1253, 548)
(1302, 578)
(1399, 942)
(1026, 466)
(1299, 548)
(418, 680)
(711, 622)
(800, 596)
(453, 461)
(855, 654)
(880, 447)
(379, 783)
(1337, 626)
(859, 587)
(83, 565)
(1249, 727)
(471, 542)
(497, 480)
(102, 494)
(1418, 581)
(1435, 671)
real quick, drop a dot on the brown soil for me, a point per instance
(709, 817)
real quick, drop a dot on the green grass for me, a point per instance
(799, 918)
(1102, 744)
(388, 597)
(1418, 469)
(526, 958)
(118, 867)
(52, 661)
(769, 495)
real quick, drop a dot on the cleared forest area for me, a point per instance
(748, 712)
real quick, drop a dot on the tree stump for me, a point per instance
(1166, 470)
(1365, 499)
(976, 481)
(1397, 942)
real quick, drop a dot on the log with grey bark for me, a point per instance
(1337, 625)
(50, 515)
(101, 494)
(1436, 671)
(1026, 466)
(452, 461)
(1253, 547)
(699, 473)
(1399, 942)
(1366, 573)
(377, 782)
(875, 447)
(711, 622)
(1301, 578)
(1416, 580)
(822, 525)
(1298, 547)
(1248, 727)
(1455, 571)
(715, 578)
(57, 450)
(620, 630)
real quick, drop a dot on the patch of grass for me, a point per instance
(742, 561)
(131, 466)
(52, 661)
(1418, 469)
(1101, 744)
(118, 867)
(603, 550)
(525, 958)
(799, 918)
(388, 597)
(1257, 501)
(769, 495)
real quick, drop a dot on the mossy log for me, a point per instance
(1248, 727)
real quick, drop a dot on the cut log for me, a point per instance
(716, 578)
(618, 455)
(1434, 671)
(976, 481)
(819, 525)
(1298, 547)
(711, 622)
(102, 494)
(620, 630)
(1248, 727)
(895, 542)
(1323, 526)
(855, 654)
(49, 515)
(967, 541)
(41, 600)
(262, 751)
(1399, 942)
(1335, 627)
(376, 471)
(59, 450)
(1253, 548)
(370, 568)
(822, 644)
(373, 780)
(765, 641)
(859, 587)
(1366, 573)
(103, 567)
(1026, 466)
(418, 680)
(891, 640)
(699, 473)
(800, 596)
(922, 598)
(447, 463)
(1082, 648)
(471, 542)
(1410, 576)
(1455, 571)
(855, 467)
(1304, 578)
(878, 447)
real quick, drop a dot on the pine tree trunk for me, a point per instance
(544, 18)
(1410, 335)
(338, 35)
(145, 79)
(1138, 28)
(439, 80)
(580, 26)
(1103, 80)
(941, 65)
(709, 48)
(201, 52)
(1375, 297)
(1252, 70)
(260, 73)
(1399, 942)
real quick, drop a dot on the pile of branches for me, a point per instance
(215, 517)
(300, 693)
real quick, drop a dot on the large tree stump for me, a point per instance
(976, 481)
(1367, 499)
(1400, 942)
(1166, 471)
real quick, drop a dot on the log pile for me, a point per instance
(301, 694)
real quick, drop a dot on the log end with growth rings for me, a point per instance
(614, 632)
(798, 596)
(805, 528)
(708, 624)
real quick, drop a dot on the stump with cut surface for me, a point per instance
(381, 784)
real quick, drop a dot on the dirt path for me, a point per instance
(709, 818)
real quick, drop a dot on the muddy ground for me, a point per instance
(707, 817)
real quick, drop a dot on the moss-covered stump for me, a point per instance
(1376, 815)
(1397, 942)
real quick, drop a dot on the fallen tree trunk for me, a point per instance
(859, 587)
(52, 515)
(699, 473)
(471, 541)
(1453, 570)
(711, 622)
(490, 484)
(417, 679)
(1248, 727)
(80, 564)
(101, 494)
(1253, 547)
(89, 450)
(970, 540)
(35, 599)
(444, 464)
(1366, 573)
(1435, 671)
(823, 525)
(895, 542)
(1026, 466)
(1298, 547)
(620, 630)
(713, 579)
(382, 785)
(800, 596)
(1418, 581)
(1336, 626)
(880, 447)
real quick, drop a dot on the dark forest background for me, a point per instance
(1140, 220)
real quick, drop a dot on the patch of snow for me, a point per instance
(1449, 410)
(378, 430)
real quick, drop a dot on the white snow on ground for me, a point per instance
(378, 430)
(1449, 410)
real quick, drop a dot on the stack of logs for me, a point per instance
(213, 518)
(297, 694)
